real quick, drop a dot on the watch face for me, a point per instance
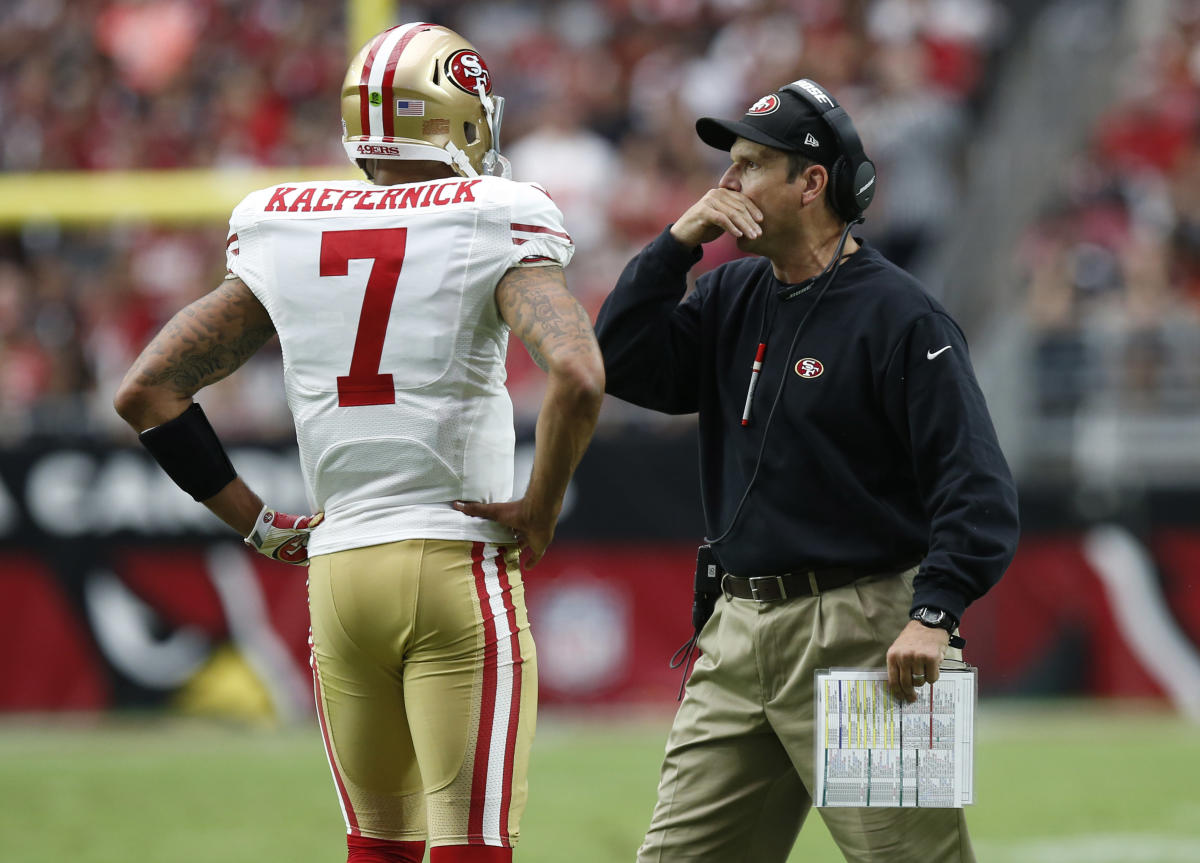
(931, 616)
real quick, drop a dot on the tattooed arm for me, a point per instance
(202, 344)
(534, 301)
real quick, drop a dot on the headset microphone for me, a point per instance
(789, 292)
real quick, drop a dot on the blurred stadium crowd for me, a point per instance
(602, 97)
(1113, 265)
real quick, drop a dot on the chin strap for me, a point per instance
(493, 110)
(459, 160)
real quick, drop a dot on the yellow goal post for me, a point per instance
(173, 197)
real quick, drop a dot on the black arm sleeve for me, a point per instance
(190, 452)
(651, 341)
(962, 476)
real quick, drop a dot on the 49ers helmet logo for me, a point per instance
(766, 105)
(809, 368)
(466, 69)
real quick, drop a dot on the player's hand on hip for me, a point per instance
(533, 531)
(283, 537)
(914, 659)
(720, 211)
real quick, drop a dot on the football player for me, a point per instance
(393, 300)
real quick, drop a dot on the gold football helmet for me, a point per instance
(421, 91)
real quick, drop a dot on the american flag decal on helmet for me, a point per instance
(410, 108)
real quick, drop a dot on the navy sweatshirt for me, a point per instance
(878, 449)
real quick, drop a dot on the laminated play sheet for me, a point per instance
(873, 750)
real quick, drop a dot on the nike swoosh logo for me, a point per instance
(931, 355)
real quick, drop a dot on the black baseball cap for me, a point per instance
(782, 120)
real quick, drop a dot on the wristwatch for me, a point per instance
(935, 618)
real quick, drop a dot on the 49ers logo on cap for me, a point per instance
(765, 105)
(466, 69)
(809, 368)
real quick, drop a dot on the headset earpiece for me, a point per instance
(864, 186)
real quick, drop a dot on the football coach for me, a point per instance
(855, 495)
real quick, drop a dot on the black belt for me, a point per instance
(769, 588)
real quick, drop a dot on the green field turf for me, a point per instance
(1074, 783)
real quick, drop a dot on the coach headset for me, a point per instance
(852, 175)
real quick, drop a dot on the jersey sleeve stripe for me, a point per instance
(537, 259)
(538, 229)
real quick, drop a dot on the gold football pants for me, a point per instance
(426, 688)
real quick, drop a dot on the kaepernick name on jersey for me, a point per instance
(317, 200)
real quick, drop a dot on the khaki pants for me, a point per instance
(426, 689)
(735, 785)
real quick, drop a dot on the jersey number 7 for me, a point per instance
(366, 385)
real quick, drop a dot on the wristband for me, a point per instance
(190, 452)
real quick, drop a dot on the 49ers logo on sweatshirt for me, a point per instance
(809, 368)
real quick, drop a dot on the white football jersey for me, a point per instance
(393, 348)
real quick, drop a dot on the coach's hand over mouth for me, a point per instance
(533, 530)
(720, 211)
